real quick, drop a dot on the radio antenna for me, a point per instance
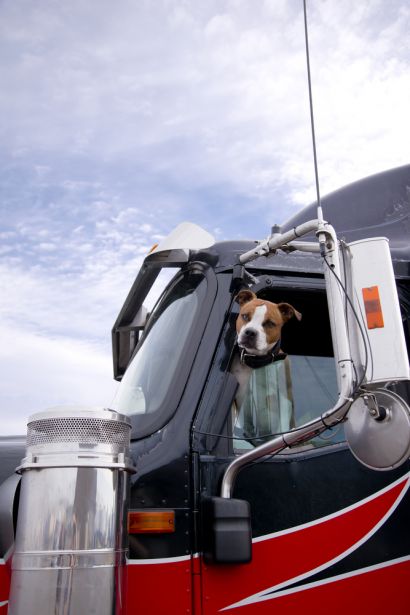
(312, 120)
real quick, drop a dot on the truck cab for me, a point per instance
(313, 525)
(323, 524)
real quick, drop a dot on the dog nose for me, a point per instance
(249, 333)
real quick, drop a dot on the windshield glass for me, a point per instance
(153, 383)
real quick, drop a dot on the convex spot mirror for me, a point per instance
(378, 430)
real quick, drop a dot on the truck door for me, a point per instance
(328, 534)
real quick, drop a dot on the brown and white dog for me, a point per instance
(258, 327)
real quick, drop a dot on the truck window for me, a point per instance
(285, 395)
(289, 393)
(152, 385)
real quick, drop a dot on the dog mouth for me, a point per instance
(253, 342)
(252, 346)
(248, 339)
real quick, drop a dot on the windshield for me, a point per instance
(153, 383)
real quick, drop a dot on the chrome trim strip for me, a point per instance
(63, 560)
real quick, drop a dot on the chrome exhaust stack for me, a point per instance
(70, 539)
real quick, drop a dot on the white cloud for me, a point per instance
(47, 247)
(225, 83)
(83, 304)
(123, 119)
(60, 370)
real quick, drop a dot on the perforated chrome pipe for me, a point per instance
(70, 544)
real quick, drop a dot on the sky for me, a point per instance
(119, 120)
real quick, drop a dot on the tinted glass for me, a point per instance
(151, 383)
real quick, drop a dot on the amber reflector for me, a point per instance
(373, 308)
(153, 248)
(151, 522)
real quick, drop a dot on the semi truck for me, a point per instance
(176, 499)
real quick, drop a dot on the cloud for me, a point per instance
(122, 120)
(61, 370)
(233, 81)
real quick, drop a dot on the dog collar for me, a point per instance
(256, 361)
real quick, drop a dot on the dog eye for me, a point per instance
(245, 317)
(269, 323)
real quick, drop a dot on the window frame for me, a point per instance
(143, 425)
(266, 289)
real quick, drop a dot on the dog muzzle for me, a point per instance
(255, 362)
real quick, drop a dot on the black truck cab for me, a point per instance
(179, 392)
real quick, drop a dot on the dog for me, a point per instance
(258, 328)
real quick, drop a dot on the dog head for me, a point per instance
(259, 323)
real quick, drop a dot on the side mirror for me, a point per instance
(125, 339)
(227, 531)
(378, 429)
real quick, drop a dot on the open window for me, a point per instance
(289, 393)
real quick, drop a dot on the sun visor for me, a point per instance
(175, 248)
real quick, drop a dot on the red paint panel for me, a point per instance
(4, 587)
(156, 589)
(287, 555)
(379, 592)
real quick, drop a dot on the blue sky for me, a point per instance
(118, 120)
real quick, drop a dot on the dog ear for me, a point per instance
(244, 296)
(288, 311)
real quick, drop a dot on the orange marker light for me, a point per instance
(153, 248)
(373, 308)
(151, 522)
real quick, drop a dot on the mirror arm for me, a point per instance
(263, 248)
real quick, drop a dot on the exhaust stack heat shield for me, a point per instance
(70, 540)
